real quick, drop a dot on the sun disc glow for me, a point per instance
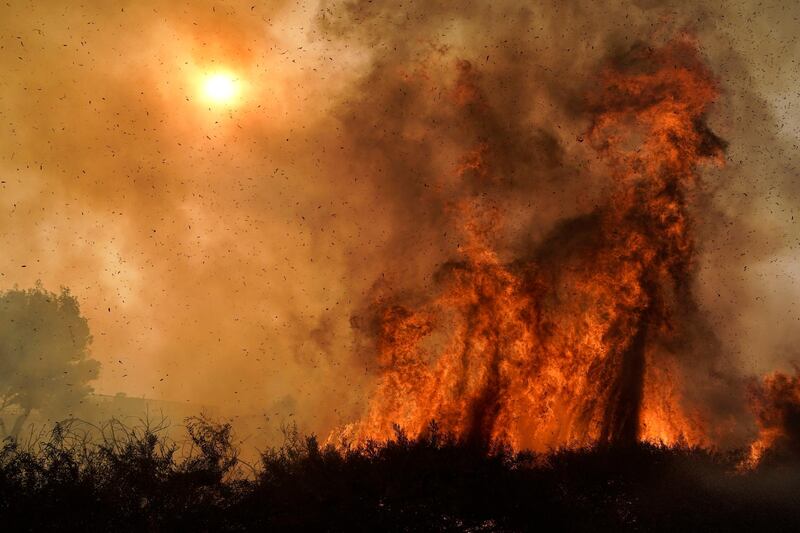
(220, 88)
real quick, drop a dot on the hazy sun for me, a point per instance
(220, 88)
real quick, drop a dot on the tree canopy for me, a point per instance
(45, 362)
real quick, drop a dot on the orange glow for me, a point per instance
(776, 404)
(570, 347)
(221, 88)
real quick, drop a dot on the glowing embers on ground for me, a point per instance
(574, 347)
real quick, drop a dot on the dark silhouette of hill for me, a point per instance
(117, 478)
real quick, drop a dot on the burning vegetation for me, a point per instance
(776, 404)
(585, 339)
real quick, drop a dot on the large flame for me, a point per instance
(569, 346)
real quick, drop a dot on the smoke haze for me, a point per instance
(227, 256)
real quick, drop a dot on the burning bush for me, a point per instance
(776, 404)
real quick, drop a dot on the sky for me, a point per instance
(222, 250)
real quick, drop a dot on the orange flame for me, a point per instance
(776, 403)
(566, 347)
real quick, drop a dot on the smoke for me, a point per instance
(190, 234)
(230, 258)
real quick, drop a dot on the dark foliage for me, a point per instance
(116, 478)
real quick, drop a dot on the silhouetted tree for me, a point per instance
(44, 354)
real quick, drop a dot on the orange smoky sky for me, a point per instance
(222, 251)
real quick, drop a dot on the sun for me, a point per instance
(220, 88)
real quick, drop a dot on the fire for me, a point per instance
(776, 403)
(571, 346)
